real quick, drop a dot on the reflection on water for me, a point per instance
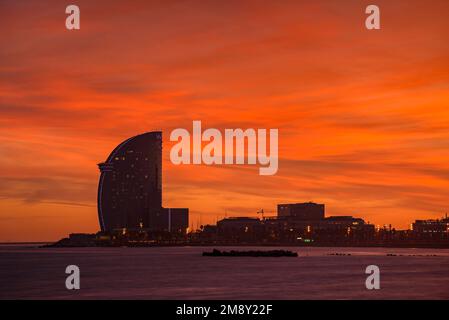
(182, 273)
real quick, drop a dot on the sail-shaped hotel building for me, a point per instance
(130, 188)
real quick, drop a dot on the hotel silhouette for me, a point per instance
(130, 189)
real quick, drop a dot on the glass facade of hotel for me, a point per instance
(130, 187)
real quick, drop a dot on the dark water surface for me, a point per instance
(27, 272)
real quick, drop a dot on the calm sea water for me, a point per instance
(27, 272)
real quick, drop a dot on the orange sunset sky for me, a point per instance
(363, 116)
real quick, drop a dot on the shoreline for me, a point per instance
(392, 246)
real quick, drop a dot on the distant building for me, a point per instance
(431, 227)
(130, 188)
(244, 223)
(173, 220)
(295, 223)
(238, 228)
(345, 221)
(329, 229)
(302, 211)
(345, 225)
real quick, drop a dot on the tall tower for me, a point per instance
(130, 187)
